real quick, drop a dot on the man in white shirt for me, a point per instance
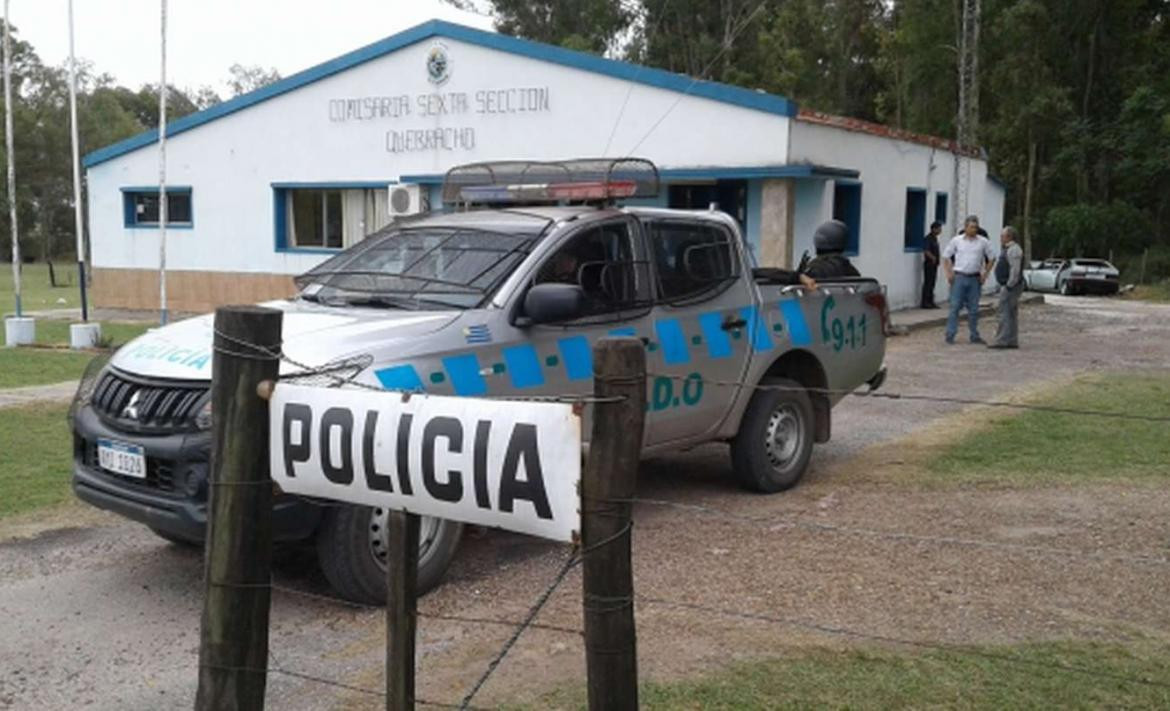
(972, 258)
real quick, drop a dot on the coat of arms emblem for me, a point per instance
(438, 65)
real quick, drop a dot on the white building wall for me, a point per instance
(231, 163)
(887, 167)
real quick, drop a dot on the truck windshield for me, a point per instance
(418, 268)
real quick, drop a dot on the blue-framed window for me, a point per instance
(915, 223)
(940, 208)
(327, 217)
(847, 208)
(140, 207)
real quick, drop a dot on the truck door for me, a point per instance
(702, 328)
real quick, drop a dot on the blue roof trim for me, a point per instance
(725, 93)
(800, 170)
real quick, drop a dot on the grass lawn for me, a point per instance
(37, 293)
(39, 366)
(52, 332)
(1026, 447)
(879, 679)
(37, 452)
(1151, 292)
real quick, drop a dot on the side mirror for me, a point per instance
(550, 303)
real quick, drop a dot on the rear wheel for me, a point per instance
(1066, 288)
(774, 443)
(352, 550)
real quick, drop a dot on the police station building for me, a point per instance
(269, 184)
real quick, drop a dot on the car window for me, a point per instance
(692, 259)
(601, 261)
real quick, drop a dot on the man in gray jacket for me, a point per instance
(1009, 272)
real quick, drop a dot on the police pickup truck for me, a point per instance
(502, 302)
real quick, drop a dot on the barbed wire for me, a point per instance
(764, 386)
(796, 522)
(889, 639)
(537, 606)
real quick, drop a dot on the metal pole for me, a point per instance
(401, 610)
(77, 218)
(11, 161)
(162, 173)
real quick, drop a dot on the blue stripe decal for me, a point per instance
(626, 331)
(718, 342)
(400, 377)
(757, 330)
(674, 343)
(577, 356)
(797, 326)
(523, 366)
(463, 370)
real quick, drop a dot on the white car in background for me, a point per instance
(1073, 276)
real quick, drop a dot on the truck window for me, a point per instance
(600, 261)
(693, 260)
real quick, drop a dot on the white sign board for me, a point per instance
(511, 465)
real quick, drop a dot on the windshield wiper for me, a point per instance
(381, 301)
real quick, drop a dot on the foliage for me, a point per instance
(1094, 229)
(245, 79)
(585, 25)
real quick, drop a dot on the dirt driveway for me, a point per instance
(98, 613)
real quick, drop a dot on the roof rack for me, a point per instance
(550, 182)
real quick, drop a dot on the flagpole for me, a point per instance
(11, 161)
(162, 171)
(78, 220)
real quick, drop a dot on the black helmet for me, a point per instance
(831, 237)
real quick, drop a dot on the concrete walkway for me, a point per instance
(15, 397)
(915, 319)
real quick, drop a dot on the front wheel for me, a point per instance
(352, 551)
(774, 443)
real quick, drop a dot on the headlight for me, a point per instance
(88, 384)
(203, 417)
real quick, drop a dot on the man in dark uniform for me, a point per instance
(831, 239)
(930, 265)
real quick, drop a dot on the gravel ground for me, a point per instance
(97, 613)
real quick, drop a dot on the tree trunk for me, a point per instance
(1028, 189)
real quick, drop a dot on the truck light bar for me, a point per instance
(582, 180)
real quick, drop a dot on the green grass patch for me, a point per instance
(960, 679)
(36, 291)
(20, 367)
(52, 332)
(36, 460)
(1046, 447)
(1159, 292)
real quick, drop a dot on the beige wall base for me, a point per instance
(776, 218)
(187, 291)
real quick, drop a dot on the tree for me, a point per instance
(584, 25)
(245, 79)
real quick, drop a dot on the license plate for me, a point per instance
(122, 458)
(1096, 276)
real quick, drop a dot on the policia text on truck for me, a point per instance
(457, 303)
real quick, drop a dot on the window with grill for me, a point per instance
(692, 259)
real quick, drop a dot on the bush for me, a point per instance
(1157, 266)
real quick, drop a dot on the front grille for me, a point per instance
(160, 473)
(146, 405)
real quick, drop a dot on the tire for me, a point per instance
(351, 550)
(772, 448)
(1065, 289)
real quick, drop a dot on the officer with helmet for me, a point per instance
(830, 240)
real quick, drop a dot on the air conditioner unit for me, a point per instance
(408, 200)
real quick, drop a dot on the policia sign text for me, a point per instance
(512, 465)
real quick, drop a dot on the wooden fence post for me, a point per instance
(401, 609)
(233, 641)
(609, 481)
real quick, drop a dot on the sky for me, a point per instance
(205, 37)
